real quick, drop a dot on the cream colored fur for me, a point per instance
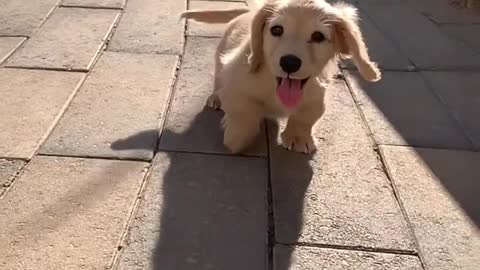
(247, 65)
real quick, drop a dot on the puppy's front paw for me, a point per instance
(298, 143)
(238, 135)
(213, 102)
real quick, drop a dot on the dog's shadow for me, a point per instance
(195, 231)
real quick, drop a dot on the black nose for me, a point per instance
(290, 63)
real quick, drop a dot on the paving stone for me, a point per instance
(210, 30)
(380, 48)
(19, 18)
(438, 188)
(117, 111)
(221, 0)
(463, 33)
(401, 110)
(310, 258)
(70, 39)
(191, 127)
(31, 101)
(94, 3)
(340, 195)
(459, 90)
(444, 12)
(66, 213)
(8, 45)
(200, 212)
(144, 31)
(420, 39)
(8, 171)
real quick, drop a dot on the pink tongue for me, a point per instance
(290, 92)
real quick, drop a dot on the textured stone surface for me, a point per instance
(210, 30)
(465, 34)
(119, 106)
(150, 26)
(69, 39)
(446, 12)
(460, 91)
(94, 3)
(190, 126)
(8, 171)
(200, 212)
(8, 46)
(31, 101)
(306, 258)
(222, 0)
(19, 18)
(380, 48)
(435, 186)
(420, 39)
(401, 110)
(75, 214)
(340, 195)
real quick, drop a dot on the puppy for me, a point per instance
(276, 61)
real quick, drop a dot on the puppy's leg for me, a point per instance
(241, 128)
(213, 101)
(297, 135)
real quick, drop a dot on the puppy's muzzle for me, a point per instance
(290, 63)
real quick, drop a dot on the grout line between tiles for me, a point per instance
(162, 122)
(115, 260)
(450, 112)
(90, 7)
(39, 26)
(14, 49)
(397, 195)
(353, 248)
(48, 69)
(94, 157)
(388, 176)
(270, 206)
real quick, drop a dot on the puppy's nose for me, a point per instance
(290, 63)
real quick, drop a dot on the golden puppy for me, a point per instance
(277, 61)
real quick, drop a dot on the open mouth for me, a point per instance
(290, 91)
(302, 82)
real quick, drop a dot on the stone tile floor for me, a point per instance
(108, 159)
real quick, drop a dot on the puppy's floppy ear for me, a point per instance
(256, 40)
(349, 41)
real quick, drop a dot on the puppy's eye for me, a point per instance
(317, 37)
(276, 30)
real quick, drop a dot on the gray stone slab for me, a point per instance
(8, 171)
(21, 18)
(32, 100)
(8, 45)
(200, 212)
(465, 34)
(439, 190)
(94, 3)
(310, 258)
(150, 26)
(380, 48)
(65, 213)
(70, 39)
(419, 38)
(340, 195)
(190, 126)
(401, 110)
(222, 0)
(445, 11)
(118, 110)
(460, 91)
(210, 30)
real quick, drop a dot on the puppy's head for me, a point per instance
(296, 39)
